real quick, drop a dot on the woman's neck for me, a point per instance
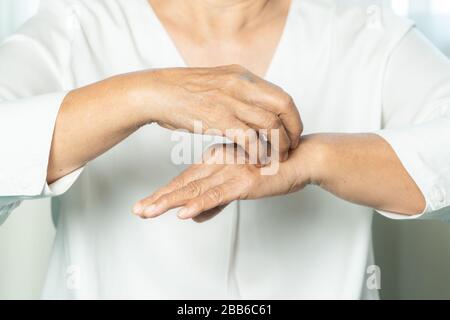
(220, 17)
(219, 32)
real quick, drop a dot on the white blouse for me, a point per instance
(351, 66)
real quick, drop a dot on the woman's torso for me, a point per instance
(306, 245)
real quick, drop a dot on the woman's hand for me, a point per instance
(203, 190)
(228, 101)
(359, 168)
(231, 100)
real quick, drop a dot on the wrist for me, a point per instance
(138, 91)
(309, 160)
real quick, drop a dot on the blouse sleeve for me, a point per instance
(32, 87)
(416, 119)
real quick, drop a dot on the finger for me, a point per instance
(294, 126)
(167, 126)
(181, 196)
(215, 197)
(290, 117)
(208, 215)
(274, 99)
(259, 118)
(194, 172)
(254, 90)
(247, 138)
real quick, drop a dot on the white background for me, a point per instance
(414, 256)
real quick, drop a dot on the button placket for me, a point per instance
(374, 17)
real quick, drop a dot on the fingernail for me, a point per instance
(185, 213)
(138, 209)
(151, 210)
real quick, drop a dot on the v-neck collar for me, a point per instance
(173, 55)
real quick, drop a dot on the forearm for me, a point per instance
(92, 120)
(363, 169)
(95, 118)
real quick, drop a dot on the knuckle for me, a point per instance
(231, 79)
(193, 188)
(272, 121)
(237, 68)
(245, 183)
(215, 194)
(286, 102)
(296, 131)
(237, 73)
(213, 99)
(163, 201)
(176, 184)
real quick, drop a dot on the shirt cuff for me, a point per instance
(26, 133)
(423, 151)
(396, 216)
(62, 185)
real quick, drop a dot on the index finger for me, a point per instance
(192, 173)
(274, 99)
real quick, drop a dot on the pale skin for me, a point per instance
(360, 168)
(231, 44)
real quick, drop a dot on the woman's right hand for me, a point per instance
(229, 101)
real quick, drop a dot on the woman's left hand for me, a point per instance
(205, 189)
(359, 168)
